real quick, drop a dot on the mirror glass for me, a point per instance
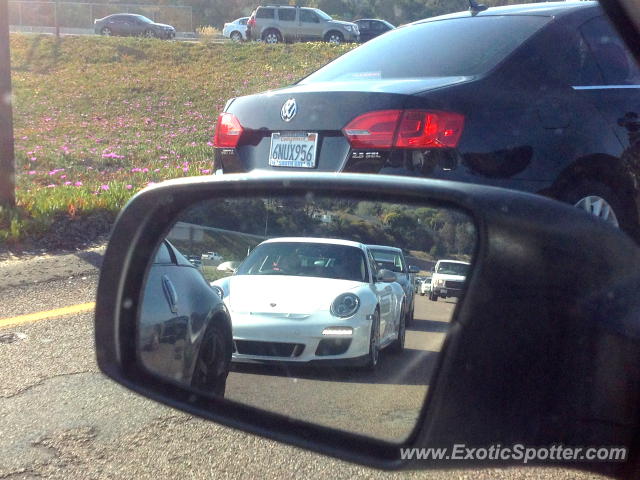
(329, 310)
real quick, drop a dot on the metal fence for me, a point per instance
(76, 15)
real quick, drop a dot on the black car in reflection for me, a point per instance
(372, 28)
(184, 329)
(542, 98)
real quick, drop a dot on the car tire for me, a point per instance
(373, 356)
(272, 37)
(236, 36)
(334, 37)
(149, 34)
(410, 315)
(398, 344)
(433, 298)
(600, 200)
(106, 31)
(212, 365)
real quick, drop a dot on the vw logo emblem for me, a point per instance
(289, 110)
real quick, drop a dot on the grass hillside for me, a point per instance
(97, 119)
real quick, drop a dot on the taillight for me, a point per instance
(373, 130)
(228, 131)
(405, 129)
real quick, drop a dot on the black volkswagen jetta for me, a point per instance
(542, 98)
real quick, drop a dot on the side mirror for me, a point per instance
(386, 276)
(522, 358)
(413, 269)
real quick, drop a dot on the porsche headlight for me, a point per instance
(218, 291)
(345, 305)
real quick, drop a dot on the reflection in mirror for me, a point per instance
(327, 310)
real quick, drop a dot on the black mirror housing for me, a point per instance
(543, 349)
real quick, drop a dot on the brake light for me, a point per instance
(228, 131)
(405, 129)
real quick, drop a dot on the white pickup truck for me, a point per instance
(212, 256)
(448, 279)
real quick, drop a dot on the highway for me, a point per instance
(61, 418)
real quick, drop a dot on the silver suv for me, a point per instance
(274, 24)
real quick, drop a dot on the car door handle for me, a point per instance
(170, 294)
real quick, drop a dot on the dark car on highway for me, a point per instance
(543, 98)
(185, 329)
(131, 25)
(372, 28)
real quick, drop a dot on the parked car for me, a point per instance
(275, 24)
(372, 27)
(425, 287)
(236, 30)
(448, 279)
(351, 309)
(539, 98)
(392, 258)
(184, 327)
(417, 282)
(212, 256)
(131, 25)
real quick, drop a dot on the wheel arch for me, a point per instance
(332, 30)
(603, 168)
(270, 29)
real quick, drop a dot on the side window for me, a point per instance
(363, 25)
(287, 14)
(307, 16)
(265, 13)
(377, 27)
(614, 60)
(163, 256)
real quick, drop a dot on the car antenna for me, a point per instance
(475, 7)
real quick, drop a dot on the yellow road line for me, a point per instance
(58, 312)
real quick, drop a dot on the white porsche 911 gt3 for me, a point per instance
(313, 299)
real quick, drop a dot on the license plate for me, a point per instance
(293, 150)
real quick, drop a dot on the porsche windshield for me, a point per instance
(306, 260)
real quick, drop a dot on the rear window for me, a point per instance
(265, 13)
(441, 48)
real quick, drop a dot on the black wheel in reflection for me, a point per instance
(212, 366)
(374, 343)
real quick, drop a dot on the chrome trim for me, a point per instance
(606, 87)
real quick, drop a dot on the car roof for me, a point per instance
(331, 241)
(550, 9)
(454, 261)
(385, 247)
